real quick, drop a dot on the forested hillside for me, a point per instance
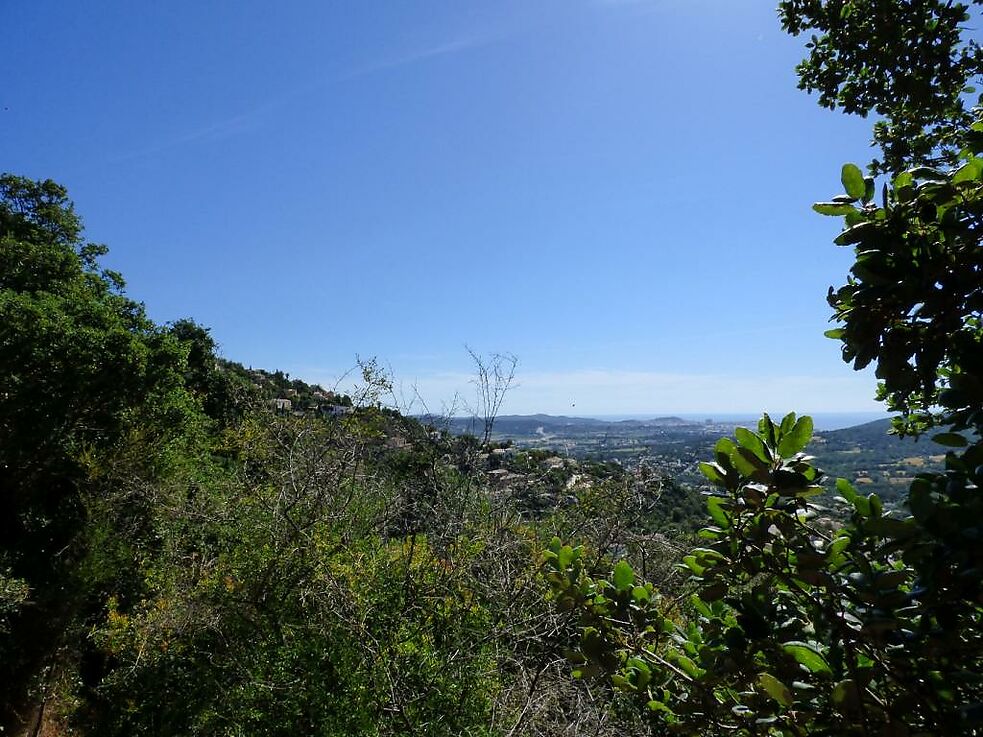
(194, 547)
(874, 459)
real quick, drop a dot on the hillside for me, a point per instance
(874, 460)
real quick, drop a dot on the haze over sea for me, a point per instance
(821, 420)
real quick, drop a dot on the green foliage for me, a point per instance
(908, 62)
(912, 303)
(328, 584)
(76, 357)
(853, 181)
(82, 370)
(205, 377)
(791, 624)
(14, 593)
(922, 329)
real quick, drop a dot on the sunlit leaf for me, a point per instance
(856, 233)
(970, 171)
(717, 512)
(753, 443)
(833, 208)
(797, 438)
(713, 473)
(853, 180)
(776, 689)
(807, 655)
(623, 576)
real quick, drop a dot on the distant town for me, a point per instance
(867, 454)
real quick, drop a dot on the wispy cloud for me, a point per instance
(214, 131)
(250, 118)
(419, 55)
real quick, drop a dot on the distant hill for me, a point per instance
(869, 432)
(876, 436)
(659, 422)
(539, 424)
(874, 460)
(549, 420)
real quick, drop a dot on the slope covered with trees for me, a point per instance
(190, 546)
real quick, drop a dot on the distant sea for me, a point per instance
(821, 420)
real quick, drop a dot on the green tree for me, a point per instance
(80, 366)
(206, 376)
(908, 61)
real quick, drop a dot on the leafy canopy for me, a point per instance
(907, 61)
(81, 368)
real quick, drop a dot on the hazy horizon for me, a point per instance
(822, 421)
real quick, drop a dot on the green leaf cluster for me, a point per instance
(910, 63)
(790, 624)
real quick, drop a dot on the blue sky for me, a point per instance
(616, 191)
